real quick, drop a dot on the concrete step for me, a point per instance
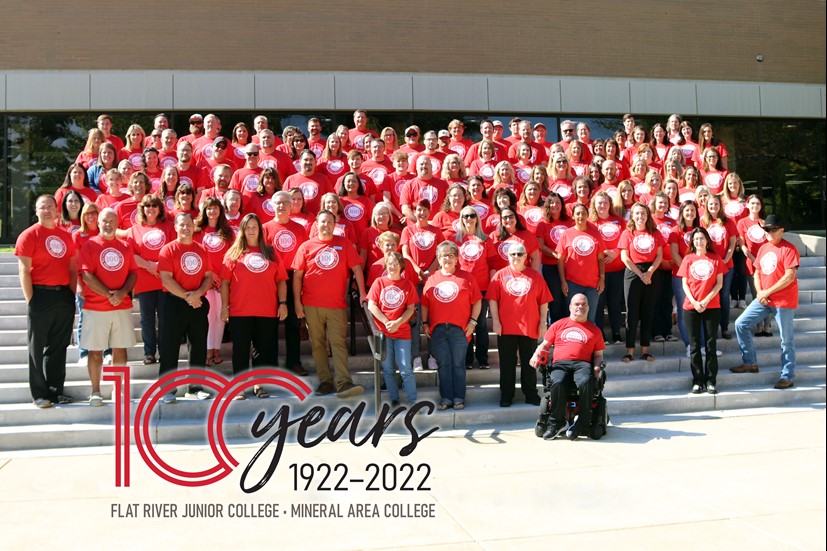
(812, 261)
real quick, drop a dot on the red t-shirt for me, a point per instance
(327, 266)
(720, 234)
(342, 228)
(681, 239)
(580, 249)
(610, 230)
(772, 262)
(753, 236)
(485, 169)
(131, 155)
(532, 216)
(393, 298)
(254, 284)
(357, 137)
(395, 184)
(422, 243)
(188, 264)
(641, 245)
(460, 147)
(700, 273)
(574, 340)
(50, 249)
(434, 190)
(358, 212)
(216, 248)
(377, 270)
(550, 233)
(377, 170)
(735, 210)
(127, 211)
(519, 296)
(562, 188)
(369, 241)
(245, 180)
(437, 158)
(193, 176)
(714, 181)
(448, 222)
(665, 226)
(473, 258)
(147, 242)
(449, 298)
(87, 194)
(334, 168)
(312, 187)
(285, 239)
(498, 253)
(279, 160)
(111, 262)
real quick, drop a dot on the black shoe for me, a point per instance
(394, 403)
(63, 399)
(324, 389)
(505, 403)
(298, 370)
(553, 432)
(726, 334)
(616, 339)
(533, 400)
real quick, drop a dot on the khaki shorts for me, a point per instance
(102, 330)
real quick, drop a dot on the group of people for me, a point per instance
(435, 237)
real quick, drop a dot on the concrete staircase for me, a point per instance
(639, 387)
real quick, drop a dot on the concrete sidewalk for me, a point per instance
(734, 480)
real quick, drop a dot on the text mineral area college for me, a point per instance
(272, 510)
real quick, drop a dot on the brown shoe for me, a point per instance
(349, 389)
(324, 388)
(298, 370)
(783, 383)
(746, 368)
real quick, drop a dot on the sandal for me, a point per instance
(443, 406)
(626, 359)
(240, 396)
(208, 363)
(260, 392)
(149, 360)
(217, 360)
(648, 357)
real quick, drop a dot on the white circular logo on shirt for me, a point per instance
(309, 190)
(133, 217)
(335, 166)
(702, 269)
(55, 246)
(522, 174)
(256, 262)
(556, 233)
(206, 151)
(533, 215)
(167, 161)
(717, 233)
(583, 245)
(687, 237)
(186, 180)
(135, 161)
(111, 259)
(191, 263)
(518, 286)
(428, 192)
(251, 182)
(359, 142)
(378, 175)
(640, 188)
(756, 234)
(327, 258)
(768, 263)
(212, 242)
(392, 297)
(267, 207)
(609, 230)
(687, 196)
(458, 148)
(713, 181)
(482, 210)
(436, 166)
(354, 211)
(665, 230)
(284, 241)
(239, 153)
(154, 239)
(267, 163)
(503, 248)
(446, 291)
(574, 334)
(400, 185)
(424, 240)
(563, 190)
(644, 243)
(733, 209)
(487, 172)
(169, 203)
(471, 250)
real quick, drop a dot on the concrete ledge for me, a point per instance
(808, 245)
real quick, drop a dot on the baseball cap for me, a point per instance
(444, 134)
(538, 125)
(497, 123)
(219, 140)
(413, 128)
(196, 117)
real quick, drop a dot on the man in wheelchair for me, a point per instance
(578, 356)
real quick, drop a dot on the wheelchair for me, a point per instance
(600, 412)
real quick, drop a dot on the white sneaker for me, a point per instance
(96, 400)
(107, 360)
(718, 353)
(687, 350)
(169, 397)
(84, 361)
(733, 304)
(417, 364)
(432, 365)
(742, 303)
(198, 395)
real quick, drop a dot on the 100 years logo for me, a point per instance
(344, 420)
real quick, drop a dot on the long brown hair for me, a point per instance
(240, 246)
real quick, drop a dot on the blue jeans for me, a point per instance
(82, 352)
(611, 299)
(448, 344)
(756, 312)
(724, 294)
(680, 296)
(591, 296)
(399, 356)
(152, 304)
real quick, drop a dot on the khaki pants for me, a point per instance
(328, 324)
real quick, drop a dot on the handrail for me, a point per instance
(376, 342)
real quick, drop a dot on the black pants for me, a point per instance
(612, 299)
(557, 307)
(258, 331)
(50, 316)
(510, 346)
(640, 306)
(291, 329)
(703, 370)
(738, 290)
(662, 319)
(180, 320)
(557, 391)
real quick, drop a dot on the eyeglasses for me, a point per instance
(772, 230)
(184, 193)
(222, 146)
(469, 215)
(568, 130)
(283, 203)
(252, 153)
(509, 217)
(450, 255)
(516, 255)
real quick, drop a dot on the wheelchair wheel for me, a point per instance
(600, 419)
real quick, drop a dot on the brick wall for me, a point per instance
(697, 40)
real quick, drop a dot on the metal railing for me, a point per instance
(376, 342)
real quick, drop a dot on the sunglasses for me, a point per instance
(222, 146)
(467, 216)
(411, 135)
(516, 254)
(252, 153)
